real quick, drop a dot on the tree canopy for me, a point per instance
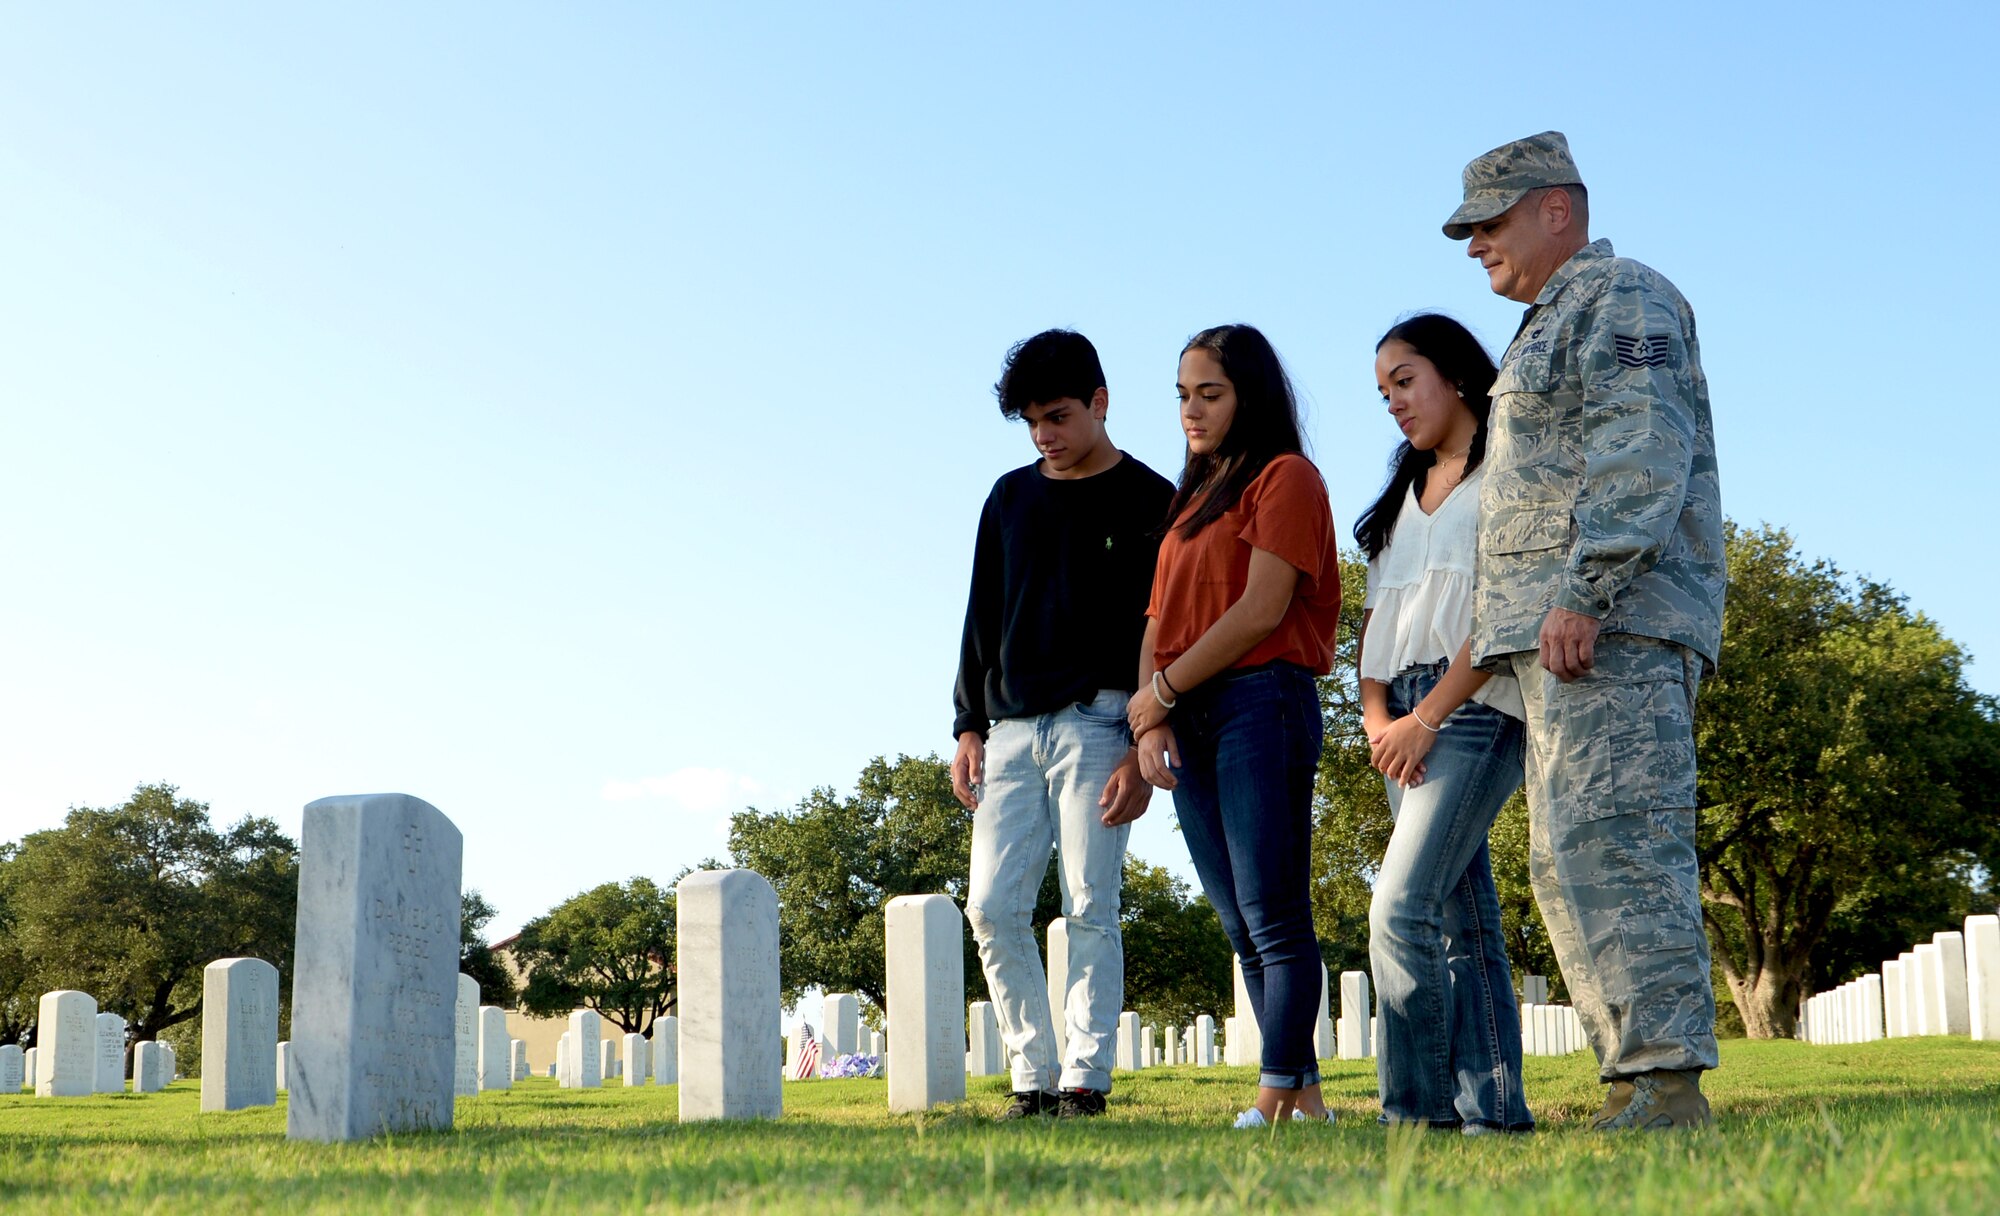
(610, 949)
(1846, 780)
(131, 903)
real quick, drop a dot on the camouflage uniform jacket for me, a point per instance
(1601, 492)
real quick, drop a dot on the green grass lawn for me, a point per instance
(1908, 1126)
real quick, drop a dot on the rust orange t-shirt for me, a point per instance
(1284, 510)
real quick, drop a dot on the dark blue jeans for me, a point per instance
(1449, 1047)
(1249, 743)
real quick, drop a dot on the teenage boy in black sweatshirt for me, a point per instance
(1061, 574)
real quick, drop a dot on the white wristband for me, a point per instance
(1164, 703)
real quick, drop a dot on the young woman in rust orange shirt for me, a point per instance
(1245, 599)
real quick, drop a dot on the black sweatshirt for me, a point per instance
(1060, 579)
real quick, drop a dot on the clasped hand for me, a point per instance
(1397, 749)
(1144, 712)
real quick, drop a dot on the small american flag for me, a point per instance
(808, 1065)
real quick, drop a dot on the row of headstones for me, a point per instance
(585, 1059)
(372, 1046)
(1948, 985)
(85, 1053)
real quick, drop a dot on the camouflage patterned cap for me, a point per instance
(1497, 180)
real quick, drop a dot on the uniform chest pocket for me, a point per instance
(1533, 371)
(1523, 527)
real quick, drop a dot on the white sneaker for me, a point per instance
(1251, 1118)
(1299, 1116)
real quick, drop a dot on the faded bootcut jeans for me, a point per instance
(1449, 1047)
(1044, 775)
(1249, 741)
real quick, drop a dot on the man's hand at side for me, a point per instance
(968, 768)
(1569, 643)
(1126, 796)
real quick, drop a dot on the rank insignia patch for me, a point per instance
(1649, 351)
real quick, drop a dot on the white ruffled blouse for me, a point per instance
(1420, 593)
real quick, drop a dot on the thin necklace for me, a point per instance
(1458, 455)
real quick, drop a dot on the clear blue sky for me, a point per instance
(577, 416)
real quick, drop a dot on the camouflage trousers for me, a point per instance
(1611, 850)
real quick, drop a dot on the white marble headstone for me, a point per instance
(1058, 982)
(727, 966)
(843, 1024)
(465, 1038)
(586, 1049)
(517, 1052)
(1892, 999)
(1355, 1041)
(1125, 1051)
(496, 1050)
(1248, 1041)
(28, 1067)
(560, 1070)
(66, 1040)
(150, 1067)
(667, 1050)
(1326, 1045)
(925, 944)
(982, 1036)
(1535, 989)
(1204, 1041)
(1928, 990)
(376, 971)
(1982, 976)
(110, 1054)
(638, 1053)
(13, 1069)
(1951, 983)
(239, 1034)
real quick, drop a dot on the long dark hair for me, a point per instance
(1464, 363)
(1265, 426)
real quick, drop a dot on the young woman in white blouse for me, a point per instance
(1448, 741)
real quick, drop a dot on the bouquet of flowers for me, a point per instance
(857, 1064)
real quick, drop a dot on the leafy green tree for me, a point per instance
(476, 958)
(17, 1002)
(610, 949)
(835, 863)
(1177, 962)
(1846, 779)
(130, 903)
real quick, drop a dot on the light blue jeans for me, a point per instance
(1449, 1045)
(1043, 777)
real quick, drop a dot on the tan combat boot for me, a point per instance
(1615, 1101)
(1662, 1100)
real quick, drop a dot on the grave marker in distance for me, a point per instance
(239, 1034)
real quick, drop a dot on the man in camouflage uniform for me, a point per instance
(1599, 586)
